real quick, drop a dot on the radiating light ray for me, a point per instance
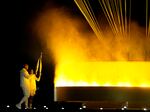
(94, 18)
(146, 18)
(96, 22)
(111, 15)
(121, 17)
(129, 25)
(86, 10)
(108, 16)
(111, 10)
(118, 16)
(88, 13)
(82, 8)
(114, 11)
(125, 18)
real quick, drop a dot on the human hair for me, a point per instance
(25, 65)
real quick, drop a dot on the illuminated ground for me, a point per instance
(80, 107)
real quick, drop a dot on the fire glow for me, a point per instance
(128, 74)
(82, 59)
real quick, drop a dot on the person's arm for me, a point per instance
(26, 74)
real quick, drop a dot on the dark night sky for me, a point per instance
(19, 45)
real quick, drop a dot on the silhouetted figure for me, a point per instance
(25, 86)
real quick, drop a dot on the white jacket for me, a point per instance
(24, 78)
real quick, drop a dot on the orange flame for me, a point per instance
(103, 74)
(81, 59)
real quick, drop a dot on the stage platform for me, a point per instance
(110, 98)
(111, 94)
(81, 107)
(92, 99)
(88, 106)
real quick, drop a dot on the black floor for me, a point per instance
(68, 107)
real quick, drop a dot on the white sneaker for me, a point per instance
(18, 106)
(26, 107)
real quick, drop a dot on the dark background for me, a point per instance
(18, 45)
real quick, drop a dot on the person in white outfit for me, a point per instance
(25, 86)
(33, 79)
